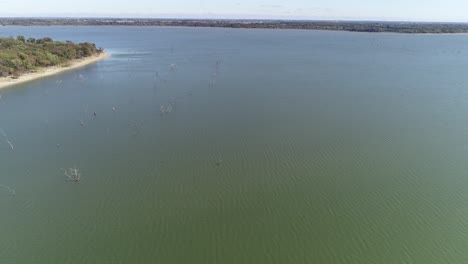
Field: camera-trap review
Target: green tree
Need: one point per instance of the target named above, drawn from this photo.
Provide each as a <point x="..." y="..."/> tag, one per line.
<point x="44" y="40"/>
<point x="21" y="38"/>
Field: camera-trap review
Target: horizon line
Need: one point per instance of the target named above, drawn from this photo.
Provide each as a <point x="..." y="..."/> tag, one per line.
<point x="235" y="19"/>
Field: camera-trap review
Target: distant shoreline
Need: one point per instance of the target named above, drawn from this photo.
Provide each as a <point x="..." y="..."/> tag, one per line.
<point x="352" y="26"/>
<point x="49" y="71"/>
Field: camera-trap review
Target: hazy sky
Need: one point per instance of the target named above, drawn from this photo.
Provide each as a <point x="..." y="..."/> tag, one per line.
<point x="416" y="10"/>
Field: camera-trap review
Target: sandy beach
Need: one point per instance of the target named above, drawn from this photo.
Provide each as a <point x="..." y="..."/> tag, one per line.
<point x="8" y="81"/>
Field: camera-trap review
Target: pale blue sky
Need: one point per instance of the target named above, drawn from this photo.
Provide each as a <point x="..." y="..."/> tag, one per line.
<point x="414" y="10"/>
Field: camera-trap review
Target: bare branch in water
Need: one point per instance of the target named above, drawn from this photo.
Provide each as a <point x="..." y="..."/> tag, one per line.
<point x="73" y="174"/>
<point x="11" y="145"/>
<point x="6" y="139"/>
<point x="9" y="189"/>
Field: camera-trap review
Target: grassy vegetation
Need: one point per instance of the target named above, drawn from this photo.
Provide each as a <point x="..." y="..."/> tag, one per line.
<point x="21" y="55"/>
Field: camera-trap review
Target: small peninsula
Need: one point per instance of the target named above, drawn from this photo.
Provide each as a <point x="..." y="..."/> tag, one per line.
<point x="23" y="60"/>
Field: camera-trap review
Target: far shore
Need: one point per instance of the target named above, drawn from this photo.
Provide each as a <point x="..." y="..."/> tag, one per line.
<point x="44" y="72"/>
<point x="405" y="27"/>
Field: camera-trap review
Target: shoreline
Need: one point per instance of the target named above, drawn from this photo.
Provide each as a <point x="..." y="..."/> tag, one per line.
<point x="6" y="82"/>
<point x="255" y="28"/>
<point x="369" y="26"/>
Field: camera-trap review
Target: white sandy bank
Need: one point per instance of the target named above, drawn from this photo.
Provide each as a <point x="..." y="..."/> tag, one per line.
<point x="9" y="81"/>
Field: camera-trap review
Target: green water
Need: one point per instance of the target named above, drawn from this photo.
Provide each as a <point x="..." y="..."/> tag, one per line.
<point x="281" y="147"/>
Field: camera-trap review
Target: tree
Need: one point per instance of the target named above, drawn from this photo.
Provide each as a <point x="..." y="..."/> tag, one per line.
<point x="44" y="40"/>
<point x="21" y="38"/>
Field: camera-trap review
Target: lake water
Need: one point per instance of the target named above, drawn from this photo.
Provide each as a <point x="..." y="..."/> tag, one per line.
<point x="281" y="147"/>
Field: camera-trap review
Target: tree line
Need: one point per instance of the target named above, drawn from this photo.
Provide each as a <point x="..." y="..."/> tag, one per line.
<point x="360" y="26"/>
<point x="21" y="55"/>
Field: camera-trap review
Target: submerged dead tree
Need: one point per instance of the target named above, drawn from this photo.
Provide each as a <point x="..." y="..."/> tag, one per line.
<point x="5" y="138"/>
<point x="73" y="174"/>
<point x="9" y="189"/>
